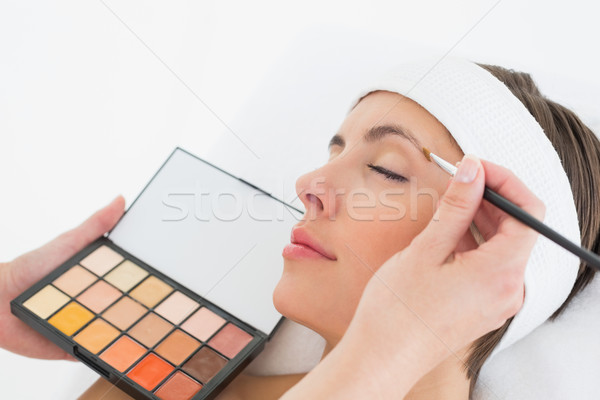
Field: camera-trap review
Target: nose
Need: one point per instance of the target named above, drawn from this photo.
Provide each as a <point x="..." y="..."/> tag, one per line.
<point x="318" y="193"/>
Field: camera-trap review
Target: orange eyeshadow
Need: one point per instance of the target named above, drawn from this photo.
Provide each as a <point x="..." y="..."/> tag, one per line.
<point x="150" y="371"/>
<point x="71" y="318"/>
<point x="123" y="353"/>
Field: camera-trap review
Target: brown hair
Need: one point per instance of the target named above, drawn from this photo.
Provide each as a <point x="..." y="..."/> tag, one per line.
<point x="579" y="151"/>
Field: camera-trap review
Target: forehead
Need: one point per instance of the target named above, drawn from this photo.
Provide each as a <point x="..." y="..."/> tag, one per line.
<point x="383" y="107"/>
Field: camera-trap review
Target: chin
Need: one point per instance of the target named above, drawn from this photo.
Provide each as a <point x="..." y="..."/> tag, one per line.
<point x="305" y="300"/>
<point x="288" y="298"/>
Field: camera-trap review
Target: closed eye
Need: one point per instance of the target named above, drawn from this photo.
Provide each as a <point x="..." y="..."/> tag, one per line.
<point x="387" y="173"/>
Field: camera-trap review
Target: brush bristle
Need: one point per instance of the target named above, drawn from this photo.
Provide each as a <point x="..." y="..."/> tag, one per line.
<point x="426" y="153"/>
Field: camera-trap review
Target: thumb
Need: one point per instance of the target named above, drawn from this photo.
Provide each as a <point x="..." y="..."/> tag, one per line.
<point x="30" y="267"/>
<point x="455" y="213"/>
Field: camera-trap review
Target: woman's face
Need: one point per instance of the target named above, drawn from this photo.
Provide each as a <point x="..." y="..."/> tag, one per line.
<point x="376" y="192"/>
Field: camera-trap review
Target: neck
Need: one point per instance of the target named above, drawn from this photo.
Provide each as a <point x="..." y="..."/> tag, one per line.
<point x="446" y="381"/>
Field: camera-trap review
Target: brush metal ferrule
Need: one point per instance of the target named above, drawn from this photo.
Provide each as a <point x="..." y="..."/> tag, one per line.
<point x="445" y="165"/>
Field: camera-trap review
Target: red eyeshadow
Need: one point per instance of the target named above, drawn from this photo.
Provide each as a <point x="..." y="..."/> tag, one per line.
<point x="150" y="371"/>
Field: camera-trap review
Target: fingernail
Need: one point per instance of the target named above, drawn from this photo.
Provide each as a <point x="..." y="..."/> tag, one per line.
<point x="467" y="170"/>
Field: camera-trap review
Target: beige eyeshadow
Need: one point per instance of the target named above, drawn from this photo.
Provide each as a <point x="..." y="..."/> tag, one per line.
<point x="151" y="291"/>
<point x="124" y="313"/>
<point x="150" y="330"/>
<point x="126" y="275"/>
<point x="176" y="307"/>
<point x="47" y="301"/>
<point x="99" y="296"/>
<point x="203" y="324"/>
<point x="74" y="280"/>
<point x="101" y="260"/>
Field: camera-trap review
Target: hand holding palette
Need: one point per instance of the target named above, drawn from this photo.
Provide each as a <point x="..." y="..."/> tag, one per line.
<point x="176" y="300"/>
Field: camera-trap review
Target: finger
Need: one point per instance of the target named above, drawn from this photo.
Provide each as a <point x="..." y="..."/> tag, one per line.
<point x="467" y="242"/>
<point x="30" y="267"/>
<point x="455" y="212"/>
<point x="508" y="185"/>
<point x="487" y="219"/>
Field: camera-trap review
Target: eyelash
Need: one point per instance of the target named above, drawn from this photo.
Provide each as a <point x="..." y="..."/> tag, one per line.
<point x="387" y="173"/>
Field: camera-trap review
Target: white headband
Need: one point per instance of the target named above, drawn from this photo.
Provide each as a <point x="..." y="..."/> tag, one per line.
<point x="487" y="120"/>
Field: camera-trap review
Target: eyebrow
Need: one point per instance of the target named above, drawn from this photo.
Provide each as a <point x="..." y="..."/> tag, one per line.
<point x="377" y="133"/>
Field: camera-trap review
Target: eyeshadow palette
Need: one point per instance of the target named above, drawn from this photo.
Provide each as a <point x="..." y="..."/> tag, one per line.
<point x="159" y="307"/>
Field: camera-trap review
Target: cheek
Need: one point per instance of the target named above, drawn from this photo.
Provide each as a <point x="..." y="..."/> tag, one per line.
<point x="377" y="241"/>
<point x="391" y="228"/>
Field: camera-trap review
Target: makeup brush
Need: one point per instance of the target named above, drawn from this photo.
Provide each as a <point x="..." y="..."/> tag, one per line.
<point x="517" y="212"/>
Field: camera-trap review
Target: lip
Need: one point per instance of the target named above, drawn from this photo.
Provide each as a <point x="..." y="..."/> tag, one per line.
<point x="303" y="245"/>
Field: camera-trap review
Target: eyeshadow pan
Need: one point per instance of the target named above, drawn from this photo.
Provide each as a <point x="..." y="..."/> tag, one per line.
<point x="123" y="353"/>
<point x="101" y="260"/>
<point x="177" y="347"/>
<point x="45" y="302"/>
<point x="151" y="291"/>
<point x="203" y="324"/>
<point x="71" y="318"/>
<point x="230" y="340"/>
<point x="150" y="330"/>
<point x="124" y="313"/>
<point x="176" y="307"/>
<point x="126" y="275"/>
<point x="99" y="296"/>
<point x="178" y="387"/>
<point x="96" y="336"/>
<point x="150" y="371"/>
<point x="74" y="280"/>
<point x="204" y="365"/>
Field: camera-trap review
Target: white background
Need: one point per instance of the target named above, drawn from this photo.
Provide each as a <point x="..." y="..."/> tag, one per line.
<point x="94" y="95"/>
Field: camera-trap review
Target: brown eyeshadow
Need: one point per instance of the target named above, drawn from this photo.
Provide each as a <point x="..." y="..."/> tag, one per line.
<point x="178" y="387"/>
<point x="204" y="365"/>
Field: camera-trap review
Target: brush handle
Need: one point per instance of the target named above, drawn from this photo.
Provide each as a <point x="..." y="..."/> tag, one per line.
<point x="517" y="212"/>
